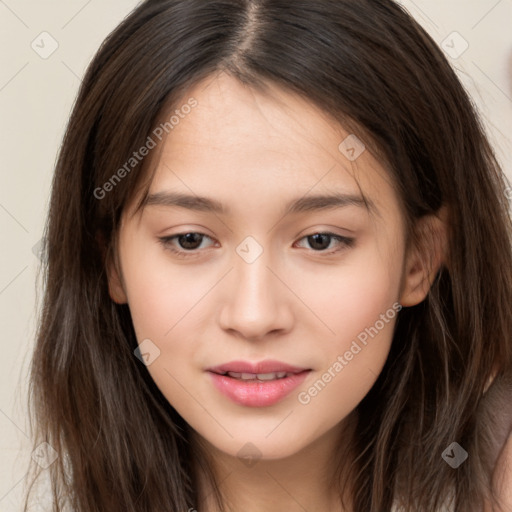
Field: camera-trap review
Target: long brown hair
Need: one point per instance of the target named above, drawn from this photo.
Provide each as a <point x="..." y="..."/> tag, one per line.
<point x="121" y="445"/>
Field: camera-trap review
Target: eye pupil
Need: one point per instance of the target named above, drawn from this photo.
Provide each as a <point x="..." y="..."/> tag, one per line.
<point x="190" y="240"/>
<point x="317" y="241"/>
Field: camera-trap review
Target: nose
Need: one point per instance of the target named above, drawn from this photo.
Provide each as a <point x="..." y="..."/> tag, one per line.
<point x="257" y="303"/>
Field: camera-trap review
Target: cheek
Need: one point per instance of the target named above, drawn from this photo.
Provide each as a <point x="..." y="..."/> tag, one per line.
<point x="160" y="294"/>
<point x="161" y="306"/>
<point x="360" y="310"/>
<point x="164" y="301"/>
<point x="351" y="296"/>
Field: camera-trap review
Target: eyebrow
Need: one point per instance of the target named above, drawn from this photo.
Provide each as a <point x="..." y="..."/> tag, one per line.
<point x="300" y="205"/>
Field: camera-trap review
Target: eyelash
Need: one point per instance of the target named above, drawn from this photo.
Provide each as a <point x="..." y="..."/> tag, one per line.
<point x="166" y="241"/>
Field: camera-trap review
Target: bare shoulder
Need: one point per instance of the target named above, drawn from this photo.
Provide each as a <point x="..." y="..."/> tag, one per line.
<point x="504" y="475"/>
<point x="502" y="479"/>
<point x="496" y="425"/>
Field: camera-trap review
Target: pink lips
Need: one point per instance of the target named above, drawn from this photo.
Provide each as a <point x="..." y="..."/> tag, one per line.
<point x="256" y="392"/>
<point x="267" y="366"/>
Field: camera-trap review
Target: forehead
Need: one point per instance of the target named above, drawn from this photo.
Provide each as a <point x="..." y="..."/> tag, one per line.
<point x="234" y="120"/>
<point x="238" y="139"/>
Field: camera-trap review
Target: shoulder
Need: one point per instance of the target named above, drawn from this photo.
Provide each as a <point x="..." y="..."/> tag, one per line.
<point x="495" y="436"/>
<point x="503" y="475"/>
<point x="499" y="407"/>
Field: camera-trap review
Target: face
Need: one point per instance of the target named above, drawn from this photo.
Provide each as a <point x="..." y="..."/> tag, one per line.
<point x="281" y="276"/>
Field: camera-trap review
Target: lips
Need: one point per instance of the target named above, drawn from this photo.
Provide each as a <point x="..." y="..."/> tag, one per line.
<point x="257" y="384"/>
<point x="261" y="368"/>
<point x="258" y="376"/>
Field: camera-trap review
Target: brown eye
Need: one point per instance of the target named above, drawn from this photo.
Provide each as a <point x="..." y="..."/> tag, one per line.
<point x="184" y="244"/>
<point x="321" y="242"/>
<point x="190" y="241"/>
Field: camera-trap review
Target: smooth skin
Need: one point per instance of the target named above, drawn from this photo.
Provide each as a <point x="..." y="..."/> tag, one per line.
<point x="299" y="302"/>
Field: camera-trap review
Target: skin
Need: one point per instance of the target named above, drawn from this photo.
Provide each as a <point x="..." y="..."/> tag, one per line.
<point x="254" y="153"/>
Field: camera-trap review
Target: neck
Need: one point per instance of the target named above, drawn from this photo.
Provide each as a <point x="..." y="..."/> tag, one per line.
<point x="311" y="479"/>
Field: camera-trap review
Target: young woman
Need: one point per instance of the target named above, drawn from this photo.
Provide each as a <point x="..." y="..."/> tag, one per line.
<point x="278" y="270"/>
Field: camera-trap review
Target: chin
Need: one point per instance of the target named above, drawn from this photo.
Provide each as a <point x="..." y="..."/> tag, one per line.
<point x="252" y="444"/>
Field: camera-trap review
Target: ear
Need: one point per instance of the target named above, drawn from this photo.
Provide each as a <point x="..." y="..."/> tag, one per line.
<point x="426" y="254"/>
<point x="115" y="282"/>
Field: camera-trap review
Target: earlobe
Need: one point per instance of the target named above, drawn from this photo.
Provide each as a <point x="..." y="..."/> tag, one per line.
<point x="416" y="286"/>
<point x="425" y="257"/>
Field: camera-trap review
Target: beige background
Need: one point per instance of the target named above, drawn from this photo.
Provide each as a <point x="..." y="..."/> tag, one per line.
<point x="36" y="95"/>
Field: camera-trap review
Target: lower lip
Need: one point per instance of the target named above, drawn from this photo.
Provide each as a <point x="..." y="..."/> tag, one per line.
<point x="259" y="393"/>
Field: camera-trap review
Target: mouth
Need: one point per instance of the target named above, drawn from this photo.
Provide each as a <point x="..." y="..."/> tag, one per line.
<point x="265" y="370"/>
<point x="261" y="377"/>
<point x="257" y="384"/>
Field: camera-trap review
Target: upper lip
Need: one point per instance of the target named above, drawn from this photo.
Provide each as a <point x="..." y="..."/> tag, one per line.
<point x="267" y="366"/>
